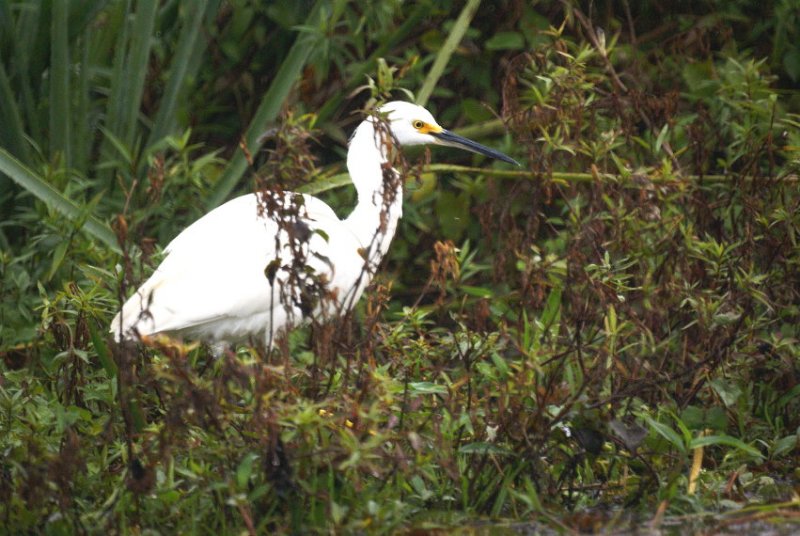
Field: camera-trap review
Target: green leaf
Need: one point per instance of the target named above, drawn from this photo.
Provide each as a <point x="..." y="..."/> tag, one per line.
<point x="427" y="388"/>
<point x="552" y="309"/>
<point x="666" y="432"/>
<point x="785" y="445"/>
<point x="727" y="391"/>
<point x="791" y="62"/>
<point x="696" y="418"/>
<point x="54" y="199"/>
<point x="245" y="469"/>
<point x="791" y="395"/>
<point x="137" y="415"/>
<point x="528" y="494"/>
<point x="482" y="447"/>
<point x="500" y="364"/>
<point x="118" y="145"/>
<point x="700" y="78"/>
<point x="67" y="416"/>
<point x="705" y="441"/>
<point x="661" y="137"/>
<point x="505" y="41"/>
<point x="325" y="183"/>
<point x="101" y="348"/>
<point x="58" y="257"/>
<point x="479" y="292"/>
<point x="338" y="512"/>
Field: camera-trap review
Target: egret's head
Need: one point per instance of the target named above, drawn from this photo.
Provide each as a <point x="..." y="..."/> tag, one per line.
<point x="412" y="124"/>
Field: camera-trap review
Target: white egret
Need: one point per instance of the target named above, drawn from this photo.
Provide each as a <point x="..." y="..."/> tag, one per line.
<point x="261" y="263"/>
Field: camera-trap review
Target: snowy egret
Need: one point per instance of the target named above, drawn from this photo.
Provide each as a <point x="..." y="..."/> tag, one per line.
<point x="261" y="263"/>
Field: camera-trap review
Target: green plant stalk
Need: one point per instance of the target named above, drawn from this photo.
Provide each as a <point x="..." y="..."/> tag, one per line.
<point x="269" y="108"/>
<point x="338" y="180"/>
<point x="54" y="199"/>
<point x="567" y="176"/>
<point x="449" y="46"/>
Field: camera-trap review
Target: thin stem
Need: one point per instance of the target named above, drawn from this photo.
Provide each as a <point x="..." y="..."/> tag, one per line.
<point x="332" y="182"/>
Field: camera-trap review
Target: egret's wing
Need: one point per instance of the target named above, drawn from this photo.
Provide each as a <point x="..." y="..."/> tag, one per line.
<point x="215" y="270"/>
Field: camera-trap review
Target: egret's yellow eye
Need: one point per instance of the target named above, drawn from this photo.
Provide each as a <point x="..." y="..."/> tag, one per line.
<point x="418" y="124"/>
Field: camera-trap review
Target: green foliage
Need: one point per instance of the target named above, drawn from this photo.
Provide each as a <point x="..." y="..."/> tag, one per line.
<point x="613" y="326"/>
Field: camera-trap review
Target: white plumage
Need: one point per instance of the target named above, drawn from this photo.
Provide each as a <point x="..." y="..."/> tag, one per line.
<point x="261" y="263"/>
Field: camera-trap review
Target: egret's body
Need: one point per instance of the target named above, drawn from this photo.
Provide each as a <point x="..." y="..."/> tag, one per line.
<point x="261" y="263"/>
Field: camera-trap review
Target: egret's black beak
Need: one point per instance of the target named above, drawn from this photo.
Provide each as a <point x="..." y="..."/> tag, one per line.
<point x="445" y="137"/>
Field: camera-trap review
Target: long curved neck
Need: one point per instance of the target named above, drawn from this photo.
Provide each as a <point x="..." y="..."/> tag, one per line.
<point x="380" y="191"/>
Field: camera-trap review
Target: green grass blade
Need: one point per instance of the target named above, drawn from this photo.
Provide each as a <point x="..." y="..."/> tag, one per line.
<point x="449" y="46"/>
<point x="5" y="21"/>
<point x="81" y="14"/>
<point x="116" y="101"/>
<point x="27" y="28"/>
<point x="179" y="71"/>
<point x="33" y="35"/>
<point x="666" y="432"/>
<point x="326" y="183"/>
<point x="132" y="51"/>
<point x="59" y="84"/>
<point x="54" y="199"/>
<point x="136" y="72"/>
<point x="81" y="133"/>
<point x="270" y="106"/>
<point x="80" y="33"/>
<point x="12" y="133"/>
<point x="198" y="57"/>
<point x="102" y="350"/>
<point x="727" y="440"/>
<point x="6" y="31"/>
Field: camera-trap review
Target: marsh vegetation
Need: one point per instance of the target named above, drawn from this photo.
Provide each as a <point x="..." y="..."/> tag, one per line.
<point x="613" y="327"/>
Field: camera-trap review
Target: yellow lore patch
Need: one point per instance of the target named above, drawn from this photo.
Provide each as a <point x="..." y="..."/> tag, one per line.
<point x="424" y="128"/>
